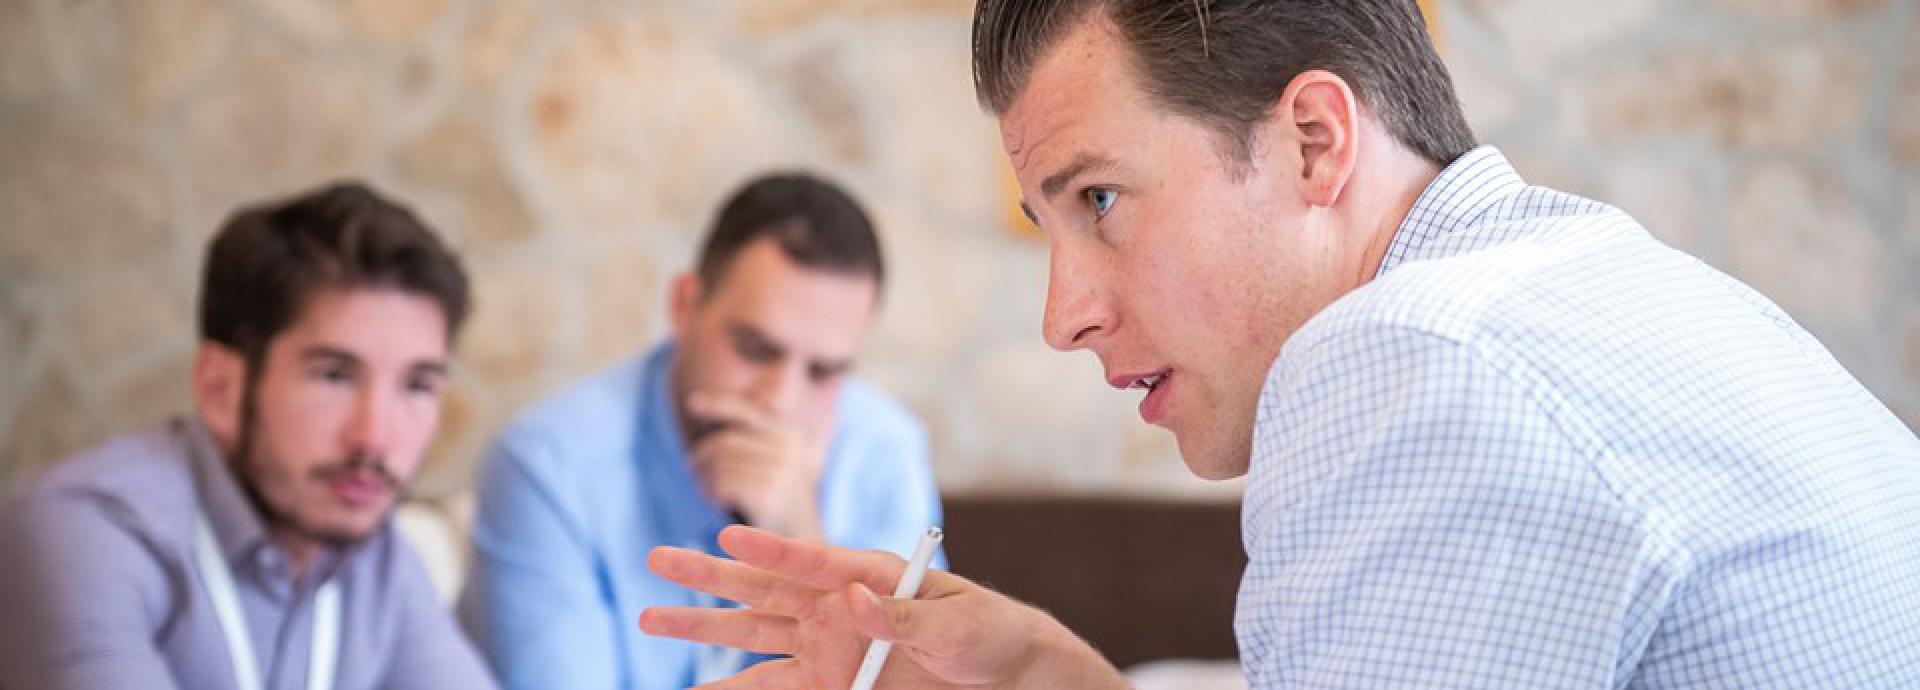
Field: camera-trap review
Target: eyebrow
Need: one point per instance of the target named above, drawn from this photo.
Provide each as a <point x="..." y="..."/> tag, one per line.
<point x="1057" y="182"/>
<point x="746" y="332"/>
<point x="313" y="352"/>
<point x="344" y="356"/>
<point x="430" y="366"/>
<point x="1082" y="164"/>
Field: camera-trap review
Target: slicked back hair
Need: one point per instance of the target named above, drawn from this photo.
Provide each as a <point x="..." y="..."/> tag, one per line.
<point x="1225" y="62"/>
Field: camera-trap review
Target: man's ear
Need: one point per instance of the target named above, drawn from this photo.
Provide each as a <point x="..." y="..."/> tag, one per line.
<point x="219" y="390"/>
<point x="683" y="297"/>
<point x="1317" y="119"/>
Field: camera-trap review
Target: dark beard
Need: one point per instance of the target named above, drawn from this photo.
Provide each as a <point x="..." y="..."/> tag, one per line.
<point x="277" y="519"/>
<point x="247" y="471"/>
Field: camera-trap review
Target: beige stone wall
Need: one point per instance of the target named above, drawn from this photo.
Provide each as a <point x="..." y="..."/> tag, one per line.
<point x="573" y="150"/>
<point x="1779" y="140"/>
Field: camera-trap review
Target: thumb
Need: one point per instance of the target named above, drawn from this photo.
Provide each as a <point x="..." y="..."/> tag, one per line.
<point x="890" y="618"/>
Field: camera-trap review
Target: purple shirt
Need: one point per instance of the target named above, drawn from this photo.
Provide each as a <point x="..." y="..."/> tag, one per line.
<point x="99" y="588"/>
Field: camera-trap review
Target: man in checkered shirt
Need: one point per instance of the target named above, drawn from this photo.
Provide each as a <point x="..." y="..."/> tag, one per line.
<point x="1496" y="436"/>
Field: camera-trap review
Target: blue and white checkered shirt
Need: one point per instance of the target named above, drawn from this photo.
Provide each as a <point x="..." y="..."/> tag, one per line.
<point x="1542" y="450"/>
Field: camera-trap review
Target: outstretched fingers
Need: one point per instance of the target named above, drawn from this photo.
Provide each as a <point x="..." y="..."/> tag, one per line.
<point x="819" y="566"/>
<point x="780" y="674"/>
<point x="750" y="586"/>
<point x="739" y="628"/>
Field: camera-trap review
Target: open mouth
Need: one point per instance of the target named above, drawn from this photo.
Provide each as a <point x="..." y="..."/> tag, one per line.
<point x="1148" y="382"/>
<point x="1153" y="407"/>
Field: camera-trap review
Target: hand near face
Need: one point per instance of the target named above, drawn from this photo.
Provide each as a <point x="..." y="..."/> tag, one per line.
<point x="816" y="603"/>
<point x="766" y="468"/>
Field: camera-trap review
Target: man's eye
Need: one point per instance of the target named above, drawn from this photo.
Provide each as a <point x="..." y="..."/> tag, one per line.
<point x="333" y="374"/>
<point x="819" y="374"/>
<point x="423" y="384"/>
<point x="1101" y="199"/>
<point x="758" y="354"/>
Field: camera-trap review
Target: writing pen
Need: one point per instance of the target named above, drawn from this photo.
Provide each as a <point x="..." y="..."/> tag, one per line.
<point x="908" y="587"/>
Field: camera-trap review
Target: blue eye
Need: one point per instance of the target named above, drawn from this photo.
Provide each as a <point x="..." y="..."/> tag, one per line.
<point x="1102" y="200"/>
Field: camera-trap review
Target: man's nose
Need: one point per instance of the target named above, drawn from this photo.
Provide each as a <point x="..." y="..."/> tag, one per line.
<point x="370" y="425"/>
<point x="1076" y="313"/>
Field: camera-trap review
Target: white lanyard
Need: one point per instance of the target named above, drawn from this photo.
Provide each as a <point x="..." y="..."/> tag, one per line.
<point x="233" y="623"/>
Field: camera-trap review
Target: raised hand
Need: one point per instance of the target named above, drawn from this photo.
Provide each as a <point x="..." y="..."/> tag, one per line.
<point x="816" y="603"/>
<point x="767" y="469"/>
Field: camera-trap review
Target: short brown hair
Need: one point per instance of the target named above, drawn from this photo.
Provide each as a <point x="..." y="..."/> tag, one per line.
<point x="1225" y="62"/>
<point x="267" y="260"/>
<point x="815" y="222"/>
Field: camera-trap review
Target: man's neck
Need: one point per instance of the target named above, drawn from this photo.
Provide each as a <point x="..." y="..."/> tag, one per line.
<point x="303" y="552"/>
<point x="1402" y="178"/>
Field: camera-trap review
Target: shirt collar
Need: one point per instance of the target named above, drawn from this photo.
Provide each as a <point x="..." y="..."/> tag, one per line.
<point x="673" y="495"/>
<point x="1454" y="201"/>
<point x="661" y="418"/>
<point x="236" y="523"/>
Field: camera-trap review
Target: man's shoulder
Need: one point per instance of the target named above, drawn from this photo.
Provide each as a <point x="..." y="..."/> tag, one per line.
<point x="1541" y="273"/>
<point x="589" y="402"/>
<point x="868" y="413"/>
<point x="142" y="476"/>
<point x="124" y="504"/>
<point x="601" y="409"/>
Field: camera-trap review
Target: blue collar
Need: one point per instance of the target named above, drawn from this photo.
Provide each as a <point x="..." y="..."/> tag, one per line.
<point x="670" y="490"/>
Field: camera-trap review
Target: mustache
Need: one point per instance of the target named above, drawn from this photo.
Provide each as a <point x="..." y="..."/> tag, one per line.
<point x="698" y="428"/>
<point x="359" y="462"/>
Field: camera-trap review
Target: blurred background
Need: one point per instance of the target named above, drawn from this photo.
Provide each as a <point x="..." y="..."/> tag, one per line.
<point x="573" y="152"/>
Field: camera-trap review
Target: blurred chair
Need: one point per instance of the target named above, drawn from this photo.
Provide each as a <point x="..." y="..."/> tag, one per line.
<point x="1140" y="579"/>
<point x="437" y="529"/>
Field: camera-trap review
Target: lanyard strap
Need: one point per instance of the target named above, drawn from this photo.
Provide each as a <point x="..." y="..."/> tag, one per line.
<point x="323" y="657"/>
<point x="325" y="652"/>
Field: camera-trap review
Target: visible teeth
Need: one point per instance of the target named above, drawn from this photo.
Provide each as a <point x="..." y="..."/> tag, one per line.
<point x="1147" y="382"/>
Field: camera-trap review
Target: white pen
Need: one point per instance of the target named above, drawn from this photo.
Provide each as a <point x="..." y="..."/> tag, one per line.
<point x="908" y="587"/>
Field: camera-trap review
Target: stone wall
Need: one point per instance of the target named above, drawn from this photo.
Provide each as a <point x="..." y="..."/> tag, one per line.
<point x="1777" y="140"/>
<point x="573" y="152"/>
